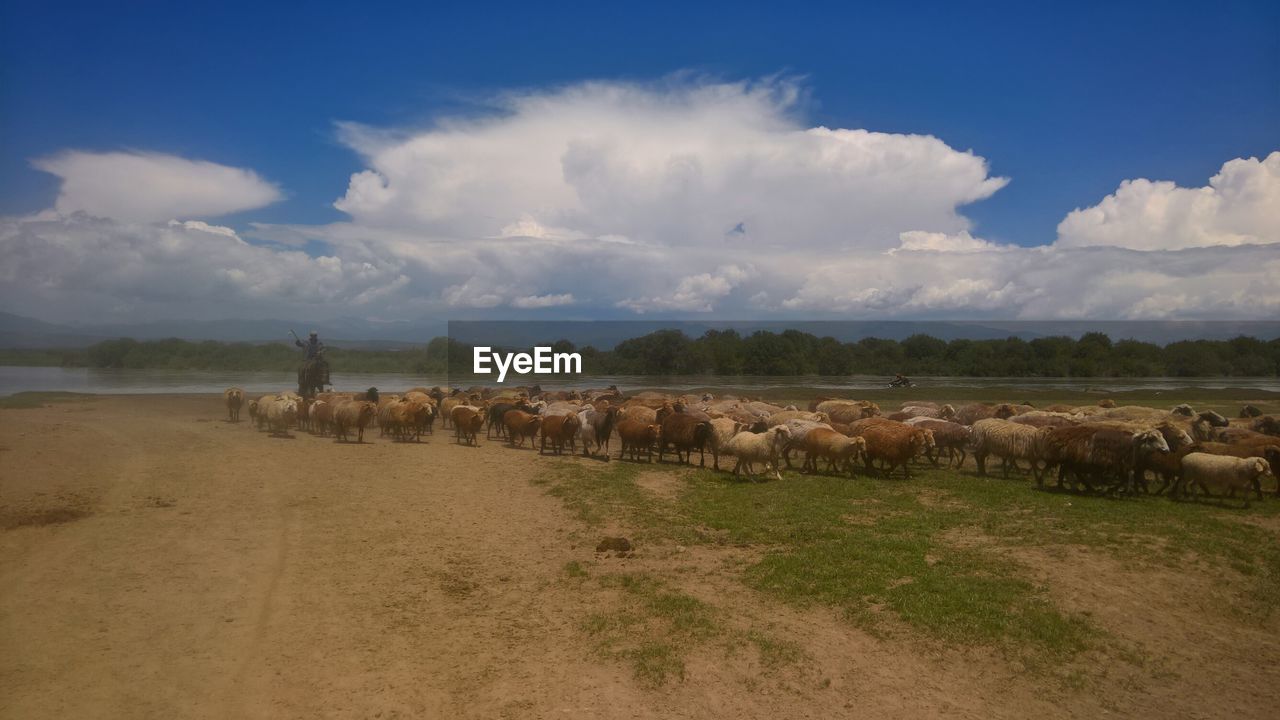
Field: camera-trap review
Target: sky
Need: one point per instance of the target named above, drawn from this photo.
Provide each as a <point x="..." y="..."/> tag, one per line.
<point x="737" y="161"/>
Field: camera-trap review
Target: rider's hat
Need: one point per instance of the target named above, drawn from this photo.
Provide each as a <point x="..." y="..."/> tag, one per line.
<point x="313" y="333"/>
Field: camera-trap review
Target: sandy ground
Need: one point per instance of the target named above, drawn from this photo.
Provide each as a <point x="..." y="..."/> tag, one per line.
<point x="158" y="562"/>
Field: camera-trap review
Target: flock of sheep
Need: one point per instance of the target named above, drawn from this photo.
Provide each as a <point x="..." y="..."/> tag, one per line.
<point x="1102" y="448"/>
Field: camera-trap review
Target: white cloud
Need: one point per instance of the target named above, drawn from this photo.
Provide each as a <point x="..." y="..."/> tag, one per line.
<point x="1240" y="205"/>
<point x="694" y="293"/>
<point x="150" y="187"/>
<point x="614" y="199"/>
<point x="672" y="164"/>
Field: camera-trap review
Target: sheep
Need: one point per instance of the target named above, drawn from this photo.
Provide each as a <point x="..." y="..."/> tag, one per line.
<point x="950" y="436"/>
<point x="560" y="429"/>
<point x="1249" y="411"/>
<point x="848" y="411"/>
<point x="233" y="398"/>
<point x="1206" y="425"/>
<point x="1267" y="451"/>
<point x="496" y="411"/>
<point x="764" y="447"/>
<point x="1095" y="452"/>
<point x="946" y="412"/>
<point x="799" y="430"/>
<point x="1267" y="425"/>
<point x="639" y="413"/>
<point x="973" y="412"/>
<point x="685" y="434"/>
<point x="1203" y="470"/>
<point x="258" y="410"/>
<point x="281" y="413"/>
<point x="321" y="414"/>
<point x="467" y="421"/>
<point x="596" y="428"/>
<point x="1045" y="418"/>
<point x="1010" y="442"/>
<point x="636" y="437"/>
<point x="353" y="414"/>
<point x="784" y="416"/>
<point x="521" y="425"/>
<point x="722" y="430"/>
<point x="837" y="449"/>
<point x="892" y="443"/>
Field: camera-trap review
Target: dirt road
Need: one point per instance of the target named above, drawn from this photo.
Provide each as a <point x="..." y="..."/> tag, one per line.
<point x="158" y="562"/>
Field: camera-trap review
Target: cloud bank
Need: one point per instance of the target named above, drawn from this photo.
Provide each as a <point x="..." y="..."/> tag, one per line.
<point x="617" y="200"/>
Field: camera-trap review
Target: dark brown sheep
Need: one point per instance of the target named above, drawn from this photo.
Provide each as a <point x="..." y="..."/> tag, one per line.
<point x="467" y="421"/>
<point x="685" y="434"/>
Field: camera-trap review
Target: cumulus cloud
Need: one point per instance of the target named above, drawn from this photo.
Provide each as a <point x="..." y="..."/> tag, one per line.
<point x="150" y="187"/>
<point x="617" y="199"/>
<point x="665" y="164"/>
<point x="1239" y="206"/>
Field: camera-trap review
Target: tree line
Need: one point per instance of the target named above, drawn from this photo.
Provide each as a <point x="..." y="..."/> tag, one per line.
<point x="728" y="353"/>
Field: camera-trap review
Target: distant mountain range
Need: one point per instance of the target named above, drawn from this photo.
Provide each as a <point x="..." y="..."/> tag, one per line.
<point x="17" y="331"/>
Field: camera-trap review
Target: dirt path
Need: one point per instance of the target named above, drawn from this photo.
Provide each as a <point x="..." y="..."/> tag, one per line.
<point x="156" y="562"/>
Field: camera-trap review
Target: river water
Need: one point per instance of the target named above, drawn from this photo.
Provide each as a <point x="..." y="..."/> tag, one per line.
<point x="131" y="382"/>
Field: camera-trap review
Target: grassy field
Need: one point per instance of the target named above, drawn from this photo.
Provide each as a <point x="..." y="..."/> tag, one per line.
<point x="940" y="560"/>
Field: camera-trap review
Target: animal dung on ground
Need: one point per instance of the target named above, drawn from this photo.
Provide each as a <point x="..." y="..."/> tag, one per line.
<point x="610" y="544"/>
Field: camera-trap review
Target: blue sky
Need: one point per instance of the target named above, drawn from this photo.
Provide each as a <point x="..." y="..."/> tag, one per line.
<point x="1065" y="99"/>
<point x="1078" y="105"/>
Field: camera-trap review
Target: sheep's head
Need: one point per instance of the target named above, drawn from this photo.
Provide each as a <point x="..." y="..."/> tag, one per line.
<point x="1213" y="418"/>
<point x="1259" y="465"/>
<point x="1184" y="410"/>
<point x="1106" y="403"/>
<point x="946" y="412"/>
<point x="1151" y="440"/>
<point x="822" y="417"/>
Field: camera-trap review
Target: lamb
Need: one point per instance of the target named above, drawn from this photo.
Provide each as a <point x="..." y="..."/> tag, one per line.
<point x="637" y="436"/>
<point x="1222" y="472"/>
<point x="837" y="449"/>
<point x="1010" y="442"/>
<point x="353" y="414"/>
<point x="521" y="425"/>
<point x="467" y="421"/>
<point x="281" y="413"/>
<point x="560" y="429"/>
<point x="763" y="447"/>
<point x="685" y="434"/>
<point x="233" y="398"/>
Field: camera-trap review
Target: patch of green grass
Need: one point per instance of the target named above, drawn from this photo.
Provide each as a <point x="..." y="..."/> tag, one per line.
<point x="31" y="400"/>
<point x="652" y="626"/>
<point x="574" y="569"/>
<point x="894" y="556"/>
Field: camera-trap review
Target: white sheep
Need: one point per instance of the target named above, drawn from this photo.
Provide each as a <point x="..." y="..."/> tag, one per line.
<point x="1222" y="471"/>
<point x="763" y="447"/>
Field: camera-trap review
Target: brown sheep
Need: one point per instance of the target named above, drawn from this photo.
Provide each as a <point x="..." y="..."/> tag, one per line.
<point x="893" y="444"/>
<point x="973" y="412"/>
<point x="521" y="425"/>
<point x="353" y="415"/>
<point x="233" y="398"/>
<point x="561" y="430"/>
<point x="467" y="421"/>
<point x="837" y="449"/>
<point x="1267" y="425"/>
<point x="1092" y="452"/>
<point x="950" y="436"/>
<point x="685" y="434"/>
<point x="637" y="437"/>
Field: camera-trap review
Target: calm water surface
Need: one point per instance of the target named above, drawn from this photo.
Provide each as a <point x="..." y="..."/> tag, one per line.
<point x="129" y="382"/>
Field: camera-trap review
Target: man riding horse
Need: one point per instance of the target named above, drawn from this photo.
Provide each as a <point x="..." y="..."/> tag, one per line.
<point x="313" y="375"/>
